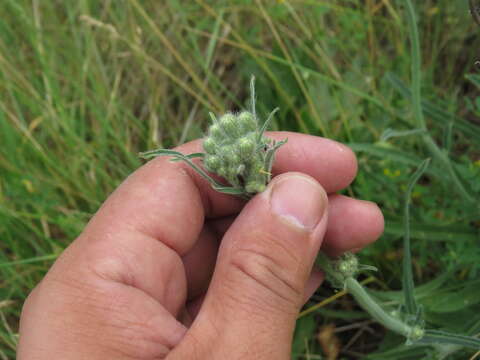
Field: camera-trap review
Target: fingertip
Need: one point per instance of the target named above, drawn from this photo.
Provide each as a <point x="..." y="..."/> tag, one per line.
<point x="374" y="222"/>
<point x="353" y="224"/>
<point x="332" y="164"/>
<point x="346" y="166"/>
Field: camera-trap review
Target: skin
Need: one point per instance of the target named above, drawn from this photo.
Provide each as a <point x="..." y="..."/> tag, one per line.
<point x="169" y="268"/>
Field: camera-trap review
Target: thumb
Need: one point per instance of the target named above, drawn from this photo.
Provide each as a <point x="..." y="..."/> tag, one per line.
<point x="263" y="266"/>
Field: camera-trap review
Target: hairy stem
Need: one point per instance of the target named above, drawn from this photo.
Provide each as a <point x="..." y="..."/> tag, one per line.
<point x="375" y="310"/>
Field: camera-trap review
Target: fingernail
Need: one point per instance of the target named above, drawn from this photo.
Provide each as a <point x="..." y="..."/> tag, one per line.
<point x="299" y="200"/>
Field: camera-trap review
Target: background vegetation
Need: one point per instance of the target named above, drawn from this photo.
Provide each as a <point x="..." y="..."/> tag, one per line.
<point x="85" y="85"/>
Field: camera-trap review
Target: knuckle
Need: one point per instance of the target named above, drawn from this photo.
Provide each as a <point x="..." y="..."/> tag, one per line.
<point x="273" y="267"/>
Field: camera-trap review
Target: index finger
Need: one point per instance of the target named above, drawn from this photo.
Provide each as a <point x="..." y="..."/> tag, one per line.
<point x="169" y="201"/>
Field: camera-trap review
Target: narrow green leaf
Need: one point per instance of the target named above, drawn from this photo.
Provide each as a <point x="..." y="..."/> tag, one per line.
<point x="436" y="113"/>
<point x="304" y="329"/>
<point x="232" y="191"/>
<point x="364" y="267"/>
<point x="416" y="98"/>
<point x="190" y="156"/>
<point x="213" y="40"/>
<point x="385" y="152"/>
<point x="265" y="124"/>
<point x="416" y="65"/>
<point x="270" y="156"/>
<point x="160" y="152"/>
<point x="391" y="133"/>
<point x="417" y="102"/>
<point x="408" y="286"/>
<point x="474" y="79"/>
<point x="433" y="232"/>
<point x="180" y="156"/>
<point x="229" y="190"/>
<point x="422" y="292"/>
<point x="452" y="299"/>
<point x="213" y="117"/>
<point x="441" y="337"/>
<point x="50" y="257"/>
<point x="252" y="97"/>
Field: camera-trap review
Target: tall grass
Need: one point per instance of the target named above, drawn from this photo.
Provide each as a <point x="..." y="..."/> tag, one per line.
<point x="86" y="85"/>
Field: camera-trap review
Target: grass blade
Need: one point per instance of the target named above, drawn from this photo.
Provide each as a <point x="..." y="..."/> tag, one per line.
<point x="50" y="257"/>
<point x="391" y="133"/>
<point x="416" y="65"/>
<point x="432" y="232"/>
<point x="408" y="285"/>
<point x="437" y="113"/>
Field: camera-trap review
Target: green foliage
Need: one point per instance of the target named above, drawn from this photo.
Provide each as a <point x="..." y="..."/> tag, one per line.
<point x="86" y="85"/>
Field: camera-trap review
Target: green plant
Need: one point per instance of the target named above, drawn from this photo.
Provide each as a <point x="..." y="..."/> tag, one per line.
<point x="86" y="86"/>
<point x="237" y="150"/>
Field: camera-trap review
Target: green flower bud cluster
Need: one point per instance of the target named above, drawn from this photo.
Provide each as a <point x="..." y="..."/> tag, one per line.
<point x="417" y="332"/>
<point x="348" y="265"/>
<point x="236" y="149"/>
<point x="340" y="269"/>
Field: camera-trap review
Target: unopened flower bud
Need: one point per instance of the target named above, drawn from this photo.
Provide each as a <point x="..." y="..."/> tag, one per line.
<point x="216" y="132"/>
<point x="348" y="266"/>
<point x="254" y="187"/>
<point x="233" y="158"/>
<point x="209" y="145"/>
<point x="246" y="146"/>
<point x="228" y="122"/>
<point x="236" y="159"/>
<point x="212" y="162"/>
<point x="222" y="171"/>
<point x="416" y="333"/>
<point x="247" y="121"/>
<point x="227" y="151"/>
<point x="257" y="166"/>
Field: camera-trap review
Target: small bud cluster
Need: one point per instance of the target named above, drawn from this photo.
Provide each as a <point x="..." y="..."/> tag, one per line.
<point x="416" y="333"/>
<point x="348" y="265"/>
<point x="337" y="271"/>
<point x="237" y="151"/>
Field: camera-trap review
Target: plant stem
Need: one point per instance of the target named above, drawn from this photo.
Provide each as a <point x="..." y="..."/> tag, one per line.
<point x="436" y="152"/>
<point x="375" y="310"/>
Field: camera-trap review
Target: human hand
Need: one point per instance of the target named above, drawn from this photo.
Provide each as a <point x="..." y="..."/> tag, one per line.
<point x="169" y="268"/>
